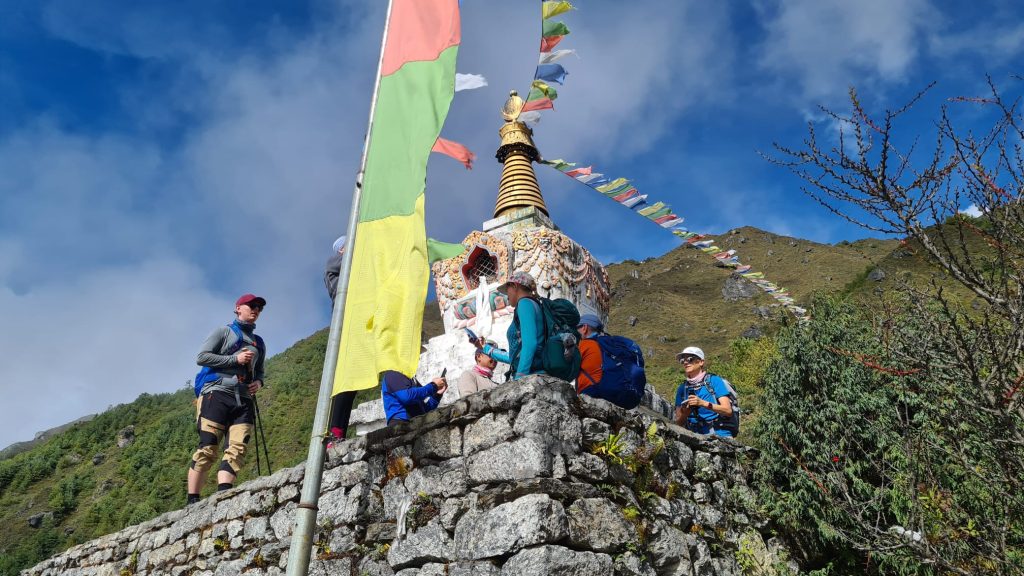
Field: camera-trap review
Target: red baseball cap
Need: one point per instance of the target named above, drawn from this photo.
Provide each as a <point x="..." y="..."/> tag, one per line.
<point x="248" y="298"/>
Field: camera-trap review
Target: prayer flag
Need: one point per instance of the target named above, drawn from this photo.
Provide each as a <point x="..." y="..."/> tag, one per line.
<point x="539" y="90"/>
<point x="627" y="194"/>
<point x="590" y="177"/>
<point x="529" y="117"/>
<point x="455" y="150"/>
<point x="553" y="28"/>
<point x="539" y="104"/>
<point x="631" y="202"/>
<point x="469" y="82"/>
<point x="548" y="43"/>
<point x="580" y="171"/>
<point x="437" y="250"/>
<point x="389" y="275"/>
<point x="652" y="209"/>
<point x="554" y="56"/>
<point x="549" y="9"/>
<point x="612" y="185"/>
<point x="551" y="73"/>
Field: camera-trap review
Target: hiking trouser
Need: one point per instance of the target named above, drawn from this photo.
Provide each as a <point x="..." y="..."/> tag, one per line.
<point x="341" y="410"/>
<point x="218" y="415"/>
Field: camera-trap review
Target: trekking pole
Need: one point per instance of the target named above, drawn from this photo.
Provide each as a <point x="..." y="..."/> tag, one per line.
<point x="259" y="425"/>
<point x="256" y="442"/>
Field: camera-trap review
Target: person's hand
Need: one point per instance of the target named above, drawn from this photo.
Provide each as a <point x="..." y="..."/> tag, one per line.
<point x="442" y="384"/>
<point x="478" y="342"/>
<point x="255" y="385"/>
<point x="244" y="357"/>
<point x="696" y="402"/>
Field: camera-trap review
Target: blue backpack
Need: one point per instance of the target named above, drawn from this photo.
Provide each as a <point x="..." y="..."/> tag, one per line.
<point x="208" y="374"/>
<point x="623" y="379"/>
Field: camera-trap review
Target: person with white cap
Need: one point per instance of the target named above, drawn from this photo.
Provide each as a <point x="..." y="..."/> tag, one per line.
<point x="341" y="404"/>
<point x="704" y="401"/>
<point x="525" y="331"/>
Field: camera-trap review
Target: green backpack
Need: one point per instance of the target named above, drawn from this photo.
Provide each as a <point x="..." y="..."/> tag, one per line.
<point x="559" y="347"/>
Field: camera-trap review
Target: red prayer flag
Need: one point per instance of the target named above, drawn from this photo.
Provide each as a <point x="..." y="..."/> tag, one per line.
<point x="455" y="150"/>
<point x="580" y="171"/>
<point x="546" y="44"/>
<point x="539" y="104"/>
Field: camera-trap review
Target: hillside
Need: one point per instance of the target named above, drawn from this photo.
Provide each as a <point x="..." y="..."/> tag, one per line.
<point x="79" y="484"/>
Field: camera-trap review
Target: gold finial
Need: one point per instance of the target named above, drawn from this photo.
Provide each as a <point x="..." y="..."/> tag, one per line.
<point x="513" y="107"/>
<point x="518" y="187"/>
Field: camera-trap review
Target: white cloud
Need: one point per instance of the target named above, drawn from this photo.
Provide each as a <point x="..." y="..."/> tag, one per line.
<point x="826" y="46"/>
<point x="972" y="211"/>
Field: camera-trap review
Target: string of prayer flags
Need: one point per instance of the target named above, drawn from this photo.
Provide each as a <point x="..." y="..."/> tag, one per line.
<point x="622" y="191"/>
<point x="542" y="96"/>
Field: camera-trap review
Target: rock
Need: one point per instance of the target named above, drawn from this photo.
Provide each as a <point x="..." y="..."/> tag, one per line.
<point x="428" y="544"/>
<point x="738" y="288"/>
<point x="126" y="437"/>
<point x="630" y="564"/>
<point x="446" y="479"/>
<point x="518" y="460"/>
<point x="763" y="312"/>
<point x="635" y="274"/>
<point x="440" y="443"/>
<point x="876" y="275"/>
<point x="668" y="546"/>
<point x="546" y="422"/>
<point x="633" y="320"/>
<point x="380" y="532"/>
<point x="36" y="520"/>
<point x="752" y="333"/>
<point x="597" y="524"/>
<point x="530" y="520"/>
<point x="489" y="430"/>
<point x="98" y="459"/>
<point x="556" y="561"/>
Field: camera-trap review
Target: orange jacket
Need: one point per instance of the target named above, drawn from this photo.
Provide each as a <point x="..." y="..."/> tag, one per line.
<point x="590" y="352"/>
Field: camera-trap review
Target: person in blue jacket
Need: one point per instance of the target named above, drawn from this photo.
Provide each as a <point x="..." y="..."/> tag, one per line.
<point x="697" y="409"/>
<point x="405" y="398"/>
<point x="525" y="332"/>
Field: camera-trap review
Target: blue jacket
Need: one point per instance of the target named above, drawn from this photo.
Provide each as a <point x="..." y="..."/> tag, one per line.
<point x="701" y="419"/>
<point x="405" y="398"/>
<point x="523" y="341"/>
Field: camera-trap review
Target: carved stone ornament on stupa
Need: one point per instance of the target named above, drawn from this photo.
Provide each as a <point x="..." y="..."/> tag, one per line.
<point x="520" y="237"/>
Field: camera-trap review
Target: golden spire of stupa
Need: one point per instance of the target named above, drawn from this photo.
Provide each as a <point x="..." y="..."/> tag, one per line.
<point x="518" y="187"/>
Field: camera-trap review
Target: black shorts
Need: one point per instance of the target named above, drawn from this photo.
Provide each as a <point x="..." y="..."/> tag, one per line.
<point x="220" y="407"/>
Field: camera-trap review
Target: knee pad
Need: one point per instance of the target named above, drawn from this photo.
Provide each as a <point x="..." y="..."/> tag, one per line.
<point x="238" y="438"/>
<point x="203" y="458"/>
<point x="210" y="436"/>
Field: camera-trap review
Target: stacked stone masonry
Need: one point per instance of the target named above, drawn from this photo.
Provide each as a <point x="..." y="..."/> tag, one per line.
<point x="525" y="479"/>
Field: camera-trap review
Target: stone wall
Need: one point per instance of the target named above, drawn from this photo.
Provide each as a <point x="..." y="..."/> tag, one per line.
<point x="526" y="479"/>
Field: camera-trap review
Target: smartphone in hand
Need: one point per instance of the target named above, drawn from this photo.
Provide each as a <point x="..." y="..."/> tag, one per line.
<point x="471" y="334"/>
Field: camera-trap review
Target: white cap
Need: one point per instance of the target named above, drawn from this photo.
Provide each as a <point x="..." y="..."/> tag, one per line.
<point x="690" y="351"/>
<point x="339" y="243"/>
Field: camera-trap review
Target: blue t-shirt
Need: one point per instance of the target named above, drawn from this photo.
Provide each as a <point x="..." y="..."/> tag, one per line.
<point x="701" y="418"/>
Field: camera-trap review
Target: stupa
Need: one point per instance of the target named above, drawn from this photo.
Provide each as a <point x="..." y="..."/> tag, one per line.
<point x="520" y="237"/>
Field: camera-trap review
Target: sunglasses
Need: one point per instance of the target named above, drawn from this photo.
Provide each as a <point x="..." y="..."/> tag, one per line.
<point x="690" y="359"/>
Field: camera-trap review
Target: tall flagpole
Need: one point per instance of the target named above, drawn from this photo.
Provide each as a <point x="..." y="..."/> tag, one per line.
<point x="305" y="514"/>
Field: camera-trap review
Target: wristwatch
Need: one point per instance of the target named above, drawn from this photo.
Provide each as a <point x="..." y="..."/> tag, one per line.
<point x="710" y="406"/>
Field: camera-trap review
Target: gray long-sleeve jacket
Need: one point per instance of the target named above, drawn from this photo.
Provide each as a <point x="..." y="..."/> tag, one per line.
<point x="333" y="270"/>
<point x="214" y="354"/>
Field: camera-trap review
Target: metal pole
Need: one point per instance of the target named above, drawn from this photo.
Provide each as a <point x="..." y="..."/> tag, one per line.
<point x="305" y="514"/>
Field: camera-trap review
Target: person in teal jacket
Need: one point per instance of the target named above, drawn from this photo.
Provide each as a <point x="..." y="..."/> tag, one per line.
<point x="525" y="332"/>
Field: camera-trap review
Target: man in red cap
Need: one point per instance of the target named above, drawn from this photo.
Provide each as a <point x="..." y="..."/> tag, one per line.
<point x="233" y="358"/>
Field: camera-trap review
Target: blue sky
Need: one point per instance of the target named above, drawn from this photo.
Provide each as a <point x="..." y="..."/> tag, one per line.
<point x="158" y="159"/>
